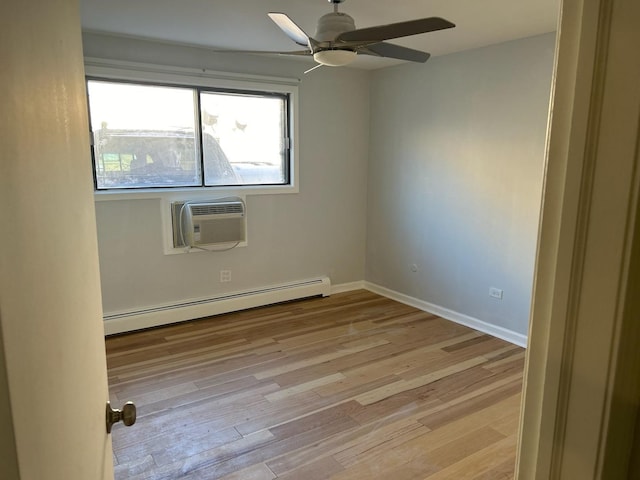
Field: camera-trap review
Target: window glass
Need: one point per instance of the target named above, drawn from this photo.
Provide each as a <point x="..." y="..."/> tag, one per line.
<point x="144" y="135"/>
<point x="244" y="131"/>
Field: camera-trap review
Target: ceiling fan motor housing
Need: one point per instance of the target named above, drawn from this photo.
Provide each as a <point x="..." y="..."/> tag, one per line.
<point x="333" y="24"/>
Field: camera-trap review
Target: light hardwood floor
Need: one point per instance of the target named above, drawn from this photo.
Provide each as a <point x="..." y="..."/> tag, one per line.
<point x="353" y="386"/>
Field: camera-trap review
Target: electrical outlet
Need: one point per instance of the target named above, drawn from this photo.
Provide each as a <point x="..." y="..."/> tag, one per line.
<point x="495" y="293"/>
<point x="225" y="276"/>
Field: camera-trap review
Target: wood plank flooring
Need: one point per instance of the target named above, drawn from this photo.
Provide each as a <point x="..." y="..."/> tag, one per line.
<point x="353" y="386"/>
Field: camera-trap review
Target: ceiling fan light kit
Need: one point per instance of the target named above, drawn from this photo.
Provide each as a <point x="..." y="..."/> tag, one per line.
<point x="335" y="58"/>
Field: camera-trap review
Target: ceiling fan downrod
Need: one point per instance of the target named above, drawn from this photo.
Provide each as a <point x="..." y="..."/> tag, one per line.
<point x="335" y="4"/>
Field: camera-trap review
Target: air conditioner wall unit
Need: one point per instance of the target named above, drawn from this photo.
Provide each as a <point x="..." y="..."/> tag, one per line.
<point x="209" y="223"/>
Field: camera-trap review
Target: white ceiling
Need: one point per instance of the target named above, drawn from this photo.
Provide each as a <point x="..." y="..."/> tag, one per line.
<point x="243" y="24"/>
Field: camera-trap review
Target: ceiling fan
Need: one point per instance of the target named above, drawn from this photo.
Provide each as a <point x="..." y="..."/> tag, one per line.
<point x="337" y="42"/>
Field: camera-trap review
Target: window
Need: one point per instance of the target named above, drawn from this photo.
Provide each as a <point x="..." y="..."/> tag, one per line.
<point x="150" y="135"/>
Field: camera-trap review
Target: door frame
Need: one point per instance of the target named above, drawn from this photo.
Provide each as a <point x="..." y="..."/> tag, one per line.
<point x="579" y="364"/>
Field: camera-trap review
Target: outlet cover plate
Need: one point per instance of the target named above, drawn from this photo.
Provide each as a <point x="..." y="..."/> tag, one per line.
<point x="495" y="293"/>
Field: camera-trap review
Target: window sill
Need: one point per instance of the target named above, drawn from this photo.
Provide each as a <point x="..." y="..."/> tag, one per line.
<point x="192" y="193"/>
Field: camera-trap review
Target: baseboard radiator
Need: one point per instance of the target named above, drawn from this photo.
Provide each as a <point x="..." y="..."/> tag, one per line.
<point x="120" y="322"/>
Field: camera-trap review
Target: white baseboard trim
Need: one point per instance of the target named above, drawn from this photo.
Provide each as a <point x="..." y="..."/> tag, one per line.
<point x="154" y="316"/>
<point x="127" y="321"/>
<point x="348" y="287"/>
<point x="480" y="325"/>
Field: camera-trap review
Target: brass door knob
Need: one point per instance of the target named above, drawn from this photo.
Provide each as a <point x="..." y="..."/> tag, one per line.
<point x="127" y="415"/>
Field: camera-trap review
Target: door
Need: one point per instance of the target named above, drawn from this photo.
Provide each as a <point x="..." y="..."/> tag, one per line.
<point x="53" y="383"/>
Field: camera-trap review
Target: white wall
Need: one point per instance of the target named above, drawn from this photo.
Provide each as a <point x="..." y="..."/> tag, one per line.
<point x="319" y="231"/>
<point x="455" y="178"/>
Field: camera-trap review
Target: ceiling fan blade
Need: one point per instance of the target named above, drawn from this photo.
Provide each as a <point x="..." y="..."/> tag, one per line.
<point x="266" y="52"/>
<point x="296" y="52"/>
<point x="291" y="30"/>
<point x="395" y="30"/>
<point x="389" y="50"/>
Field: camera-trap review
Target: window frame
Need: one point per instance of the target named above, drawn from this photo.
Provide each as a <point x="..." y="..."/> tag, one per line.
<point x="138" y="73"/>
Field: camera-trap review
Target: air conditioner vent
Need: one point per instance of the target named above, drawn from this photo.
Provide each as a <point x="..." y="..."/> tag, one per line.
<point x="217" y="209"/>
